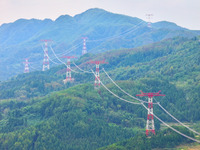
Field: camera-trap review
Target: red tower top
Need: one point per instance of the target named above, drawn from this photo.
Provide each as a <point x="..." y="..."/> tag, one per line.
<point x="97" y="62"/>
<point x="68" y="57"/>
<point x="46" y="40"/>
<point x="84" y="37"/>
<point x="26" y="61"/>
<point x="150" y="94"/>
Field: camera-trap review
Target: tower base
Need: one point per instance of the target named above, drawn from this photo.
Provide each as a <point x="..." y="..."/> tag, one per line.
<point x="68" y="80"/>
<point x="152" y="132"/>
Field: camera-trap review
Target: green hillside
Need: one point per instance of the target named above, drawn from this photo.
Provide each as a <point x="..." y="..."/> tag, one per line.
<point x="163" y="139"/>
<point x="38" y="111"/>
<point x="77" y="115"/>
<point x="60" y="121"/>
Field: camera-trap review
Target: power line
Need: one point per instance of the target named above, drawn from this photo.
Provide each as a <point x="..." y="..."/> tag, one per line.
<point x="121" y="34"/>
<point x="61" y="60"/>
<point x="49" y="57"/>
<point x="123" y="90"/>
<point x="177" y="119"/>
<point x="193" y="139"/>
<point x="154" y="115"/>
<point x="113" y="37"/>
<point x="80" y="68"/>
<point x="155" y="103"/>
<point x="114" y="93"/>
<point x="69" y="50"/>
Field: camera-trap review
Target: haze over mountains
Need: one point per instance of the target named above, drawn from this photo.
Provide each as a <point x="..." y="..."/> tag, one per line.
<point x="39" y="111"/>
<point x="105" y="31"/>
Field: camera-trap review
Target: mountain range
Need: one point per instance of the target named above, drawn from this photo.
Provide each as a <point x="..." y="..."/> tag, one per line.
<point x="105" y="31"/>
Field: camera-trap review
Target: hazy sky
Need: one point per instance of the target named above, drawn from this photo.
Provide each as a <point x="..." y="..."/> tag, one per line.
<point x="185" y="13"/>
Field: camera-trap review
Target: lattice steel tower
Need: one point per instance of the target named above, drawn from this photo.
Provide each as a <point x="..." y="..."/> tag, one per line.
<point x="149" y="16"/>
<point x="46" y="56"/>
<point x="84" y="51"/>
<point x="26" y="68"/>
<point x="97" y="82"/>
<point x="150" y="118"/>
<point x="68" y="72"/>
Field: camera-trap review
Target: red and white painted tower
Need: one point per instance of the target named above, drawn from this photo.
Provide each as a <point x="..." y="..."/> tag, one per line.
<point x="97" y="82"/>
<point x="26" y="68"/>
<point x="150" y="118"/>
<point x="46" y="56"/>
<point x="149" y="16"/>
<point x="68" y="72"/>
<point x="84" y="51"/>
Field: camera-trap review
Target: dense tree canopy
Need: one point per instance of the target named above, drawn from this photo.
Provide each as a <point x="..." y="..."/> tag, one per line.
<point x="38" y="111"/>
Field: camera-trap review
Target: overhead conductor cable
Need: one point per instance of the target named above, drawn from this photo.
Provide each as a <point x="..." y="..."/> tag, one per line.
<point x="193" y="139"/>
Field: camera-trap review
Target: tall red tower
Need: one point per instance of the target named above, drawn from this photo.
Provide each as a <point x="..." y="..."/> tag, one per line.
<point x="97" y="82"/>
<point x="46" y="56"/>
<point x="150" y="119"/>
<point x="68" y="72"/>
<point x="84" y="51"/>
<point x="26" y="68"/>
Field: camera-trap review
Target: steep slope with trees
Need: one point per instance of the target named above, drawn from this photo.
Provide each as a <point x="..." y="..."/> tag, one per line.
<point x="77" y="115"/>
<point x="35" y="116"/>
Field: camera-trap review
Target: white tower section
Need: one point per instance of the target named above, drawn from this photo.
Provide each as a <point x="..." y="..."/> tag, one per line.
<point x="84" y="51"/>
<point x="150" y="120"/>
<point x="26" y="68"/>
<point x="149" y="16"/>
<point x="46" y="57"/>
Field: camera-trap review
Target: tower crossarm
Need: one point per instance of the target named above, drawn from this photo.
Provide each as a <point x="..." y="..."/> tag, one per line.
<point x="97" y="62"/>
<point x="150" y="94"/>
<point x="68" y="57"/>
<point x="46" y="40"/>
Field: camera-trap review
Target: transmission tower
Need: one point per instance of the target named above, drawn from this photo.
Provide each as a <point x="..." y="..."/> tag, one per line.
<point x="68" y="72"/>
<point x="149" y="16"/>
<point x="46" y="56"/>
<point x="84" y="51"/>
<point x="150" y="119"/>
<point x="97" y="82"/>
<point x="26" y="68"/>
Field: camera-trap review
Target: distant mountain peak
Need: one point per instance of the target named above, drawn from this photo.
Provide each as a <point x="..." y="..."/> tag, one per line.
<point x="95" y="15"/>
<point x="166" y="24"/>
<point x="92" y="11"/>
<point x="96" y="10"/>
<point x="65" y="18"/>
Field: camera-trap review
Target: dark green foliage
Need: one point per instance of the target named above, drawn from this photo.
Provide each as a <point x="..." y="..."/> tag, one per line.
<point x="64" y="119"/>
<point x="77" y="115"/>
<point x="41" y="118"/>
<point x="162" y="139"/>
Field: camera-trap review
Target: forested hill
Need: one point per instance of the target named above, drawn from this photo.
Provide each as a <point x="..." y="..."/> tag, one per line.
<point x="175" y="60"/>
<point x="80" y="117"/>
<point x="34" y="116"/>
<point x="162" y="140"/>
<point x="105" y="31"/>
